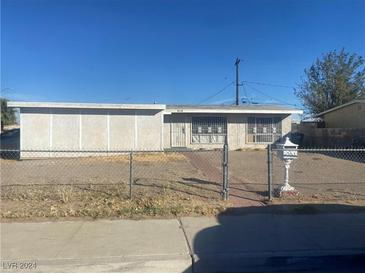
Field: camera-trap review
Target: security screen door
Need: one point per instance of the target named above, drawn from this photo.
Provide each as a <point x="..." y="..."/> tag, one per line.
<point x="178" y="134"/>
<point x="264" y="130"/>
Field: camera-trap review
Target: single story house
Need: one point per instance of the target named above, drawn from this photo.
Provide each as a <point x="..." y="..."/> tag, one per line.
<point x="150" y="127"/>
<point x="348" y="115"/>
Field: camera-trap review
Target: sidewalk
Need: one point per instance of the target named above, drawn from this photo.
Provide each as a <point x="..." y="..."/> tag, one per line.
<point x="97" y="246"/>
<point x="257" y="239"/>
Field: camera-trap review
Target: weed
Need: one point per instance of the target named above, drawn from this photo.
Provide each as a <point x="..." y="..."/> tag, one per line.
<point x="103" y="201"/>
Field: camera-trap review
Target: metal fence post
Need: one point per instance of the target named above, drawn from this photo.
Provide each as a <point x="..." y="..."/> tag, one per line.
<point x="225" y="191"/>
<point x="130" y="174"/>
<point x="269" y="170"/>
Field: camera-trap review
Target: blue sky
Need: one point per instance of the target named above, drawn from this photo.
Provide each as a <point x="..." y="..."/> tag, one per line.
<point x="168" y="51"/>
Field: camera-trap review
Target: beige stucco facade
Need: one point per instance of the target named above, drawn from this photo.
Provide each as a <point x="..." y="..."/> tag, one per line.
<point x="236" y="129"/>
<point x="90" y="129"/>
<point x="93" y="128"/>
<point x="349" y="116"/>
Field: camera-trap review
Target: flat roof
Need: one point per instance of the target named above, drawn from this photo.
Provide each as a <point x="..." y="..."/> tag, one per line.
<point x="16" y="104"/>
<point x="246" y="108"/>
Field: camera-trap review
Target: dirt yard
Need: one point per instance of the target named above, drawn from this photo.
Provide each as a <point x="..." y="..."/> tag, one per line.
<point x="163" y="184"/>
<point x="169" y="184"/>
<point x="338" y="176"/>
<point x="317" y="177"/>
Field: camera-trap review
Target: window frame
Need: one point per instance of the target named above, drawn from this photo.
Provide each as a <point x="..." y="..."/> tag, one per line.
<point x="209" y="129"/>
<point x="276" y="122"/>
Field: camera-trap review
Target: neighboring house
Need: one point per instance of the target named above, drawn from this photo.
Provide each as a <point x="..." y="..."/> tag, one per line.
<point x="341" y="126"/>
<point x="349" y="115"/>
<point x="150" y="127"/>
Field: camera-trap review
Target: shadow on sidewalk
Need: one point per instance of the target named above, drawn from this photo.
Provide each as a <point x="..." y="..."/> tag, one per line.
<point x="283" y="238"/>
<point x="294" y="209"/>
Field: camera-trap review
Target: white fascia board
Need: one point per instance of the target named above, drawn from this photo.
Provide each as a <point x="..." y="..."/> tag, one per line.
<point x="264" y="111"/>
<point x="15" y="104"/>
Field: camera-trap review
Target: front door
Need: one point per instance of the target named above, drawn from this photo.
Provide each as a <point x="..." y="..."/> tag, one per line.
<point x="178" y="135"/>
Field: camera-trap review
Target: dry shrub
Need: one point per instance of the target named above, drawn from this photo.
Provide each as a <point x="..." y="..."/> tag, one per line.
<point x="101" y="202"/>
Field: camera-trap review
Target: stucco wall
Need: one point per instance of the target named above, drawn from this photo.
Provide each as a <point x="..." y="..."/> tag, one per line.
<point x="167" y="120"/>
<point x="286" y="125"/>
<point x="236" y="129"/>
<point x="35" y="130"/>
<point x="94" y="130"/>
<point x="122" y="131"/>
<point x="107" y="130"/>
<point x="351" y="116"/>
<point x="149" y="130"/>
<point x="62" y="123"/>
<point x="90" y="129"/>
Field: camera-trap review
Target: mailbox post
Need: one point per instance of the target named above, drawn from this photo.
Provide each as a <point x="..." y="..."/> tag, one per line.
<point x="287" y="152"/>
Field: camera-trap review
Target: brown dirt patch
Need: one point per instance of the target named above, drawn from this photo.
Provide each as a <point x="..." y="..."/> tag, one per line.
<point x="164" y="184"/>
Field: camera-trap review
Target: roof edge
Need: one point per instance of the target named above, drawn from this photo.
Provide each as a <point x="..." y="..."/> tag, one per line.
<point x="22" y="104"/>
<point x="263" y="109"/>
<point x="258" y="111"/>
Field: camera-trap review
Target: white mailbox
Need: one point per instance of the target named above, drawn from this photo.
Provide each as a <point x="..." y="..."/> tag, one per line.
<point x="287" y="150"/>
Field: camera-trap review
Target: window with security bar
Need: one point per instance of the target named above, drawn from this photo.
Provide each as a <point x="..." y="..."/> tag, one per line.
<point x="263" y="129"/>
<point x="208" y="130"/>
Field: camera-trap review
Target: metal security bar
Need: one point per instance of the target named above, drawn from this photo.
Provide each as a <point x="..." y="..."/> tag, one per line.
<point x="206" y="130"/>
<point x="263" y="129"/>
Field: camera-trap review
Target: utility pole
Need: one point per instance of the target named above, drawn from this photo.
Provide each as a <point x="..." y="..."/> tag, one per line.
<point x="237" y="81"/>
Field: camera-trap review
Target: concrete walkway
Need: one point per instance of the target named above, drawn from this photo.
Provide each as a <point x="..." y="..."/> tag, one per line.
<point x="99" y="246"/>
<point x="257" y="239"/>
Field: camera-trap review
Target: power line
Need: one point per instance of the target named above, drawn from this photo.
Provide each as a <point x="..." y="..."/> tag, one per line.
<point x="271" y="97"/>
<point x="215" y="94"/>
<point x="268" y="84"/>
<point x="244" y="89"/>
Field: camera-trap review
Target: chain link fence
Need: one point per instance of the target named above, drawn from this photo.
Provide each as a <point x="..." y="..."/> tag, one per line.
<point x="138" y="172"/>
<point x="112" y="178"/>
<point x="178" y="180"/>
<point x="324" y="174"/>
